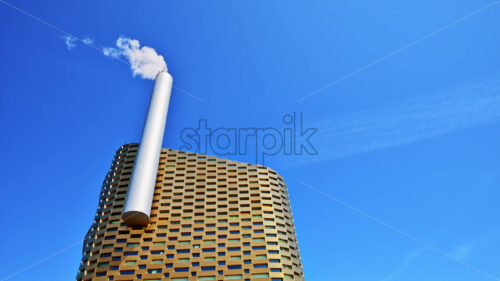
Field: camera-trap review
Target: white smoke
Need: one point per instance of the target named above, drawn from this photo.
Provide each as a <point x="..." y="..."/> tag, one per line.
<point x="88" y="41"/>
<point x="467" y="105"/>
<point x="70" y="42"/>
<point x="144" y="61"/>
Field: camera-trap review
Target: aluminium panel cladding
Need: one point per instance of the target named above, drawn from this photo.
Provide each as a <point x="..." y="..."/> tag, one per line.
<point x="211" y="219"/>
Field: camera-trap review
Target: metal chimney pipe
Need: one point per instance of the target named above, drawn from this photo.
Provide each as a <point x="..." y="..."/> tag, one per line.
<point x="137" y="208"/>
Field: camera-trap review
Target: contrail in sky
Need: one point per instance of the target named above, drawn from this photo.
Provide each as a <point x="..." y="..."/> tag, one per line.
<point x="457" y="108"/>
<point x="405" y="264"/>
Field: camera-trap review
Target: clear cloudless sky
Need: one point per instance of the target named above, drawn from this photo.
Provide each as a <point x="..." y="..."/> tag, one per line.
<point x="64" y="113"/>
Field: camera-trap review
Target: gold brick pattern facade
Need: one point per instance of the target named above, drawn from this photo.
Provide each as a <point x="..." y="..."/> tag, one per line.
<point x="211" y="219"/>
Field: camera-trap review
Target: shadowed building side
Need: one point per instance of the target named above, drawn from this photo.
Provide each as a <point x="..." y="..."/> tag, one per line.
<point x="211" y="219"/>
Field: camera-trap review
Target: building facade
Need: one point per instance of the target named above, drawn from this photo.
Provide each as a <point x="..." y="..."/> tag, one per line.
<point x="211" y="219"/>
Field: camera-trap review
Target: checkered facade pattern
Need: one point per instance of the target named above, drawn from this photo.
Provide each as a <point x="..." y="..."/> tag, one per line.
<point x="211" y="219"/>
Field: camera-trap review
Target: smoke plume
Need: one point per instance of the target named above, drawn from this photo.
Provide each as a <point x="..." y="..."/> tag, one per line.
<point x="144" y="61"/>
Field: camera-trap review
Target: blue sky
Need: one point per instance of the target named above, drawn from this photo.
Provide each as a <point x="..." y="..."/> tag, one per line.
<point x="410" y="141"/>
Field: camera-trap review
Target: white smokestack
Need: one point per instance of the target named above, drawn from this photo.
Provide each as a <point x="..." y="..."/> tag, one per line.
<point x="142" y="184"/>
